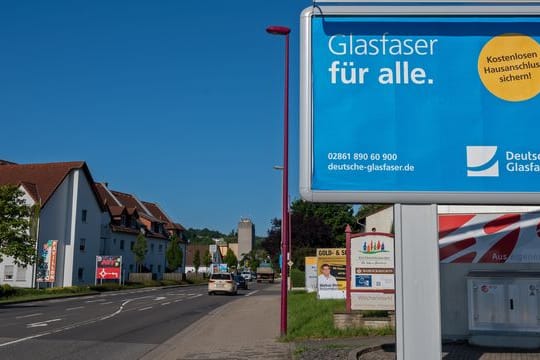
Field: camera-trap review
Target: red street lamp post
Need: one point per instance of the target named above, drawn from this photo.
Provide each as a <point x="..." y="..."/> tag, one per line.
<point x="282" y="30"/>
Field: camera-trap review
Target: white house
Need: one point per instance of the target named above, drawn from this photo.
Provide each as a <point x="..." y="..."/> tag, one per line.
<point x="71" y="213"/>
<point x="130" y="217"/>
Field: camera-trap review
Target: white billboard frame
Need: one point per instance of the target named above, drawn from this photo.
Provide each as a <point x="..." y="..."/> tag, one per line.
<point x="391" y="8"/>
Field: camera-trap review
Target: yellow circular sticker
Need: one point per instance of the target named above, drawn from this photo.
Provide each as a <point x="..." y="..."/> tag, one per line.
<point x="509" y="67"/>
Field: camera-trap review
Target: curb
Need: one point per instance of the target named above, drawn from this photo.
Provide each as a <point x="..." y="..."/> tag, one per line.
<point x="356" y="353"/>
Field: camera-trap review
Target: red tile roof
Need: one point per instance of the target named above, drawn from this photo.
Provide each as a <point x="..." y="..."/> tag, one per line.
<point x="161" y="215"/>
<point x="106" y="196"/>
<point x="42" y="180"/>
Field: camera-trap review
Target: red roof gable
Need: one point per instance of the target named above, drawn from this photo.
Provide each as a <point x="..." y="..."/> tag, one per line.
<point x="42" y="180"/>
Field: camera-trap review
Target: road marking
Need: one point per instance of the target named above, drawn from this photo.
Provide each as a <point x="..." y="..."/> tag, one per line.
<point x="107" y="303"/>
<point x="92" y="301"/>
<point x="27" y="316"/>
<point x="178" y="300"/>
<point x="122" y="307"/>
<point x="146" y="308"/>
<point x="160" y="298"/>
<point x="42" y="323"/>
<point x="24" y="339"/>
<point x="167" y="303"/>
<point x="72" y="326"/>
<point x="251" y="293"/>
<point x="75" y="308"/>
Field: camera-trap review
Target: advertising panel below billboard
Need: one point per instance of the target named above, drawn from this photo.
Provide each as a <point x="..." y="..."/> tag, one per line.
<point x="311" y="273"/>
<point x="372" y="271"/>
<point x="510" y="238"/>
<point x="331" y="278"/>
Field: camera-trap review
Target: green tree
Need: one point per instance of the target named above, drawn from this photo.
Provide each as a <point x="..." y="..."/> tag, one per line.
<point x="140" y="248"/>
<point x="230" y="259"/>
<point x="174" y="254"/>
<point x="18" y="229"/>
<point x="197" y="261"/>
<point x="207" y="259"/>
<point x="333" y="216"/>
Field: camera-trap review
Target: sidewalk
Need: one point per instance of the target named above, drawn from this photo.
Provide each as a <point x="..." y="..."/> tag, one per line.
<point x="246" y="328"/>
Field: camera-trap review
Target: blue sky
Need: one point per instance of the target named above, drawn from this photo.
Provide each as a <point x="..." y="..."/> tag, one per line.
<point x="178" y="102"/>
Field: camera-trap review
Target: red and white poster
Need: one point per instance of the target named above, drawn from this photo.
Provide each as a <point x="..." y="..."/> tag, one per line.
<point x="108" y="267"/>
<point x="490" y="238"/>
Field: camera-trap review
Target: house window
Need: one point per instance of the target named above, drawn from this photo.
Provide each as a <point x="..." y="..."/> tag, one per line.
<point x="159" y="268"/>
<point x="8" y="272"/>
<point x="152" y="247"/>
<point x="151" y="267"/>
<point x="130" y="267"/>
<point x="160" y="247"/>
<point x="80" y="274"/>
<point x="21" y="273"/>
<point x="132" y="245"/>
<point x="84" y="213"/>
<point x="124" y="220"/>
<point x="82" y="244"/>
<point x="121" y="244"/>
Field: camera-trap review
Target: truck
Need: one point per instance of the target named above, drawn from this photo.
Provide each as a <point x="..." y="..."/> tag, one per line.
<point x="265" y="272"/>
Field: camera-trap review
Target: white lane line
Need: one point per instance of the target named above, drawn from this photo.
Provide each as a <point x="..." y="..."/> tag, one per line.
<point x="72" y="326"/>
<point x="146" y="308"/>
<point x="252" y="292"/>
<point x="24" y="339"/>
<point x="178" y="300"/>
<point x="75" y="308"/>
<point x="27" y="316"/>
<point x="42" y="323"/>
<point x="167" y="303"/>
<point x="92" y="301"/>
<point x="160" y="298"/>
<point x="107" y="303"/>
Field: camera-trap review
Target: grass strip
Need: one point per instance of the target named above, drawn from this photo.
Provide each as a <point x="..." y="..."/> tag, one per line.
<point x="310" y="318"/>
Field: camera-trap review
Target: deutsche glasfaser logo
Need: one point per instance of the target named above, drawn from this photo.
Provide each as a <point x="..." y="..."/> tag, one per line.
<point x="481" y="161"/>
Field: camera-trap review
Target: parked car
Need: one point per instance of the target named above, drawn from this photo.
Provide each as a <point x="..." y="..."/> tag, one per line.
<point x="247" y="275"/>
<point x="241" y="282"/>
<point x="222" y="283"/>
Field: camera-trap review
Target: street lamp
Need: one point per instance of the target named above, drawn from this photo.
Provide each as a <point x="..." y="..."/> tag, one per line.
<point x="289" y="233"/>
<point x="282" y="30"/>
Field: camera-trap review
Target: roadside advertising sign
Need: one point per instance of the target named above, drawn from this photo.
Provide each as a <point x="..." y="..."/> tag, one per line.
<point x="46" y="268"/>
<point x="372" y="271"/>
<point x="420" y="109"/>
<point x="108" y="267"/>
<point x="331" y="278"/>
<point x="510" y="238"/>
<point x="311" y="273"/>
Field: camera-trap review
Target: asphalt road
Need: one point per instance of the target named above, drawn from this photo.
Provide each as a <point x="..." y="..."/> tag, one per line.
<point x="115" y="325"/>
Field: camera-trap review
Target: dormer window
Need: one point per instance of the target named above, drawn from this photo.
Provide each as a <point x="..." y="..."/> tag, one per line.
<point x="124" y="220"/>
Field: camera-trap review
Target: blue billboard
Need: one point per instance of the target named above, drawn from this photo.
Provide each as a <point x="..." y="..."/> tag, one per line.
<point x="436" y="107"/>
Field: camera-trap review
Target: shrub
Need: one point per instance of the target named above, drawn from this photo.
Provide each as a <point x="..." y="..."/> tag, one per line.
<point x="7" y="291"/>
<point x="106" y="287"/>
<point x="298" y="278"/>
